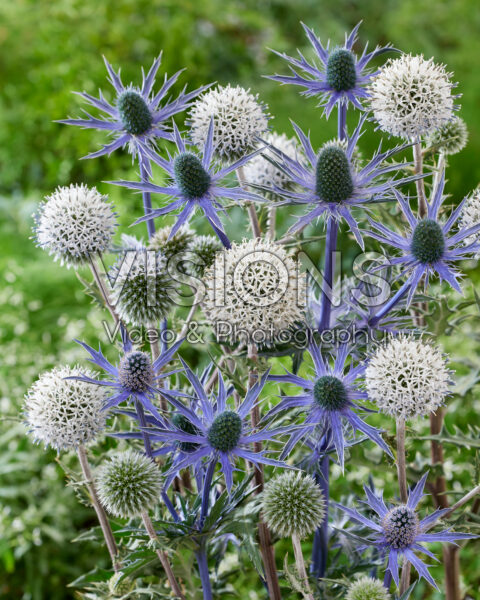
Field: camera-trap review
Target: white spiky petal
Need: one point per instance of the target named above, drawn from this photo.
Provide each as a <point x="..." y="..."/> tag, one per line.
<point x="411" y="96"/>
<point x="75" y="222"/>
<point x="254" y="286"/>
<point x="471" y="217"/>
<point x="367" y="588"/>
<point x="129" y="484"/>
<point x="407" y="377"/>
<point x="238" y="119"/>
<point x="64" y="413"/>
<point x="260" y="171"/>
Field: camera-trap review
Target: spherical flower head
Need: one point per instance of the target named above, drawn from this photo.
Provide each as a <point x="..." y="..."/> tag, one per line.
<point x="129" y="484"/>
<point x="238" y="118"/>
<point x="330" y="393"/>
<point x="333" y="177"/>
<point x="134" y="113"/>
<point x="177" y="244"/>
<point x="260" y="171"/>
<point x="411" y="97"/>
<point x="407" y="378"/>
<point x="74" y="223"/>
<point x="450" y="138"/>
<point x="261" y="292"/>
<point x="293" y="504"/>
<point x="205" y="248"/>
<point x="367" y="588"/>
<point x="400" y="527"/>
<point x="65" y="413"/>
<point x="135" y="371"/>
<point x="143" y="291"/>
<point x="428" y="241"/>
<point x="471" y="217"/>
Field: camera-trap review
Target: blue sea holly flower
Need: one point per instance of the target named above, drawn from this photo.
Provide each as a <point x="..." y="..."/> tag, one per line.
<point x="210" y="431"/>
<point x="137" y="116"/>
<point x="135" y="378"/>
<point x="195" y="182"/>
<point x="399" y="532"/>
<point x="329" y="400"/>
<point x="429" y="247"/>
<point x="333" y="183"/>
<point x="342" y="76"/>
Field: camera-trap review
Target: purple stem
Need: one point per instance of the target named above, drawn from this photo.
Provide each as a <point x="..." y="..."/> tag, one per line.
<point x="330" y="248"/>
<point x="207" y="484"/>
<point x="202" y="562"/>
<point x="387" y="580"/>
<point x="147" y="200"/>
<point x="394" y="300"/>
<point x="320" y="540"/>
<point x="342" y="121"/>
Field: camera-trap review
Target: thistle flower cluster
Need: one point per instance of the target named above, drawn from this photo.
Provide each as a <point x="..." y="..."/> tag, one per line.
<point x="367" y="588"/>
<point x="450" y="138"/>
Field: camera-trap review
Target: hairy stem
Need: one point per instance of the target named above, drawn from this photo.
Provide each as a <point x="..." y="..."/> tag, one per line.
<point x="420" y="184"/>
<point x="147" y="201"/>
<point x="300" y="562"/>
<point x="103" y="290"/>
<point x="102" y="517"/>
<point x="163" y="557"/>
<point x="403" y="487"/>
<point x="252" y="213"/>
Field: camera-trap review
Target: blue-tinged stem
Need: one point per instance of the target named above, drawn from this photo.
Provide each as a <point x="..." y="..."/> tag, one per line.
<point x="387" y="580"/>
<point x="207" y="484"/>
<point x="320" y="540"/>
<point x="394" y="300"/>
<point x="202" y="562"/>
<point x="147" y="201"/>
<point x="342" y="121"/>
<point x="328" y="275"/>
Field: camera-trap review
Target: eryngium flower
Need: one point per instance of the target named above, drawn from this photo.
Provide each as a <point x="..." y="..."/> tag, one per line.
<point x="342" y="77"/>
<point x="261" y="171"/>
<point x="254" y="287"/>
<point x="411" y="97"/>
<point x="367" y="588"/>
<point x="428" y="248"/>
<point x="129" y="484"/>
<point x="143" y="290"/>
<point x="238" y="118"/>
<point x="399" y="532"/>
<point x="137" y="116"/>
<point x="450" y="138"/>
<point x="471" y="217"/>
<point x="74" y="223"/>
<point x="65" y="413"/>
<point x="293" y="504"/>
<point x="407" y="378"/>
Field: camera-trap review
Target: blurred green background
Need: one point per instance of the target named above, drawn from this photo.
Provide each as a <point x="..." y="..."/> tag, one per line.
<point x="50" y="48"/>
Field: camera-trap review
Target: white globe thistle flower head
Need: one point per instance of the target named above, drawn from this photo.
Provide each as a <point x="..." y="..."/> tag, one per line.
<point x="73" y="223"/>
<point x="367" y="588"/>
<point x="407" y="377"/>
<point x="255" y="290"/>
<point x="129" y="484"/>
<point x="262" y="172"/>
<point x="238" y="117"/>
<point x="293" y="504"/>
<point x="471" y="217"/>
<point x="412" y="97"/>
<point x="65" y="413"/>
<point x="450" y="138"/>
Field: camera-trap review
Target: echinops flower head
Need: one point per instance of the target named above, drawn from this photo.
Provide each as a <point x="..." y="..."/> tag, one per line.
<point x="204" y="249"/>
<point x="171" y="246"/>
<point x="407" y="378"/>
<point x="412" y="97"/>
<point x="238" y="117"/>
<point x="367" y="588"/>
<point x="293" y="504"/>
<point x="65" y="413"/>
<point x="129" y="484"/>
<point x="450" y="138"/>
<point x="74" y="223"/>
<point x="470" y="217"/>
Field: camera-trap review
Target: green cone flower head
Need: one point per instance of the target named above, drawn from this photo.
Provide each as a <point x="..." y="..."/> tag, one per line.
<point x="367" y="588"/>
<point x="293" y="503"/>
<point x="178" y="244"/>
<point x="129" y="484"/>
<point x="450" y="138"/>
<point x="205" y="248"/>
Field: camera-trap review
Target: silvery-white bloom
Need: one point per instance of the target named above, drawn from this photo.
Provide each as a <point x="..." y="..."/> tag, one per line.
<point x="293" y="504"/>
<point x="260" y="171"/>
<point x="411" y="96"/>
<point x="471" y="216"/>
<point x="450" y="138"/>
<point x="238" y="118"/>
<point x="64" y="413"/>
<point x="129" y="484"/>
<point x="254" y="287"/>
<point x="367" y="588"/>
<point x="407" y="377"/>
<point x="73" y="223"/>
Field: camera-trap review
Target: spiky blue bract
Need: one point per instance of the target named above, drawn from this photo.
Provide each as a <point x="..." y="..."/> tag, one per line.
<point x="138" y="115"/>
<point x="399" y="532"/>
<point x="329" y="399"/>
<point x="332" y="181"/>
<point x="431" y="246"/>
<point x="341" y="77"/>
<point x="135" y="378"/>
<point x="215" y="431"/>
<point x="196" y="182"/>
